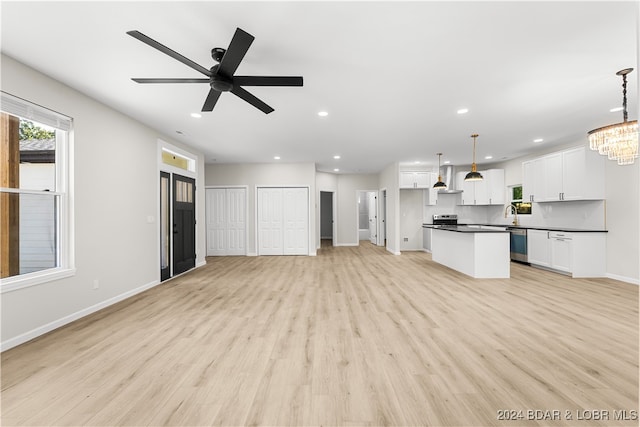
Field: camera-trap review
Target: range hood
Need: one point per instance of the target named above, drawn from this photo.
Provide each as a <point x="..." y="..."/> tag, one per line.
<point x="448" y="177"/>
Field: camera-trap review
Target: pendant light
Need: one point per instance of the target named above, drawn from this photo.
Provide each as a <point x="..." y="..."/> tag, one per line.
<point x="620" y="141"/>
<point x="439" y="185"/>
<point x="474" y="175"/>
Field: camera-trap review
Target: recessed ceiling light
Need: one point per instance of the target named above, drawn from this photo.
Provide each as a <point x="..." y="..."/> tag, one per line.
<point x="196" y="115"/>
<point x="446" y="162"/>
<point x="615" y="110"/>
<point x="336" y="170"/>
<point x="323" y="113"/>
<point x="276" y="157"/>
<point x="488" y="157"/>
<point x="538" y="140"/>
<point x="463" y="111"/>
<point x="417" y="162"/>
<point x="336" y="157"/>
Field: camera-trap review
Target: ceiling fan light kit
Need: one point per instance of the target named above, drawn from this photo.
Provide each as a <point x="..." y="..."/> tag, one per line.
<point x="474" y="175"/>
<point x="221" y="77"/>
<point x="619" y="141"/>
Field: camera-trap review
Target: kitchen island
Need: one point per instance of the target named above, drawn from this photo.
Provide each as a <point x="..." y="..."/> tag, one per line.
<point x="478" y="251"/>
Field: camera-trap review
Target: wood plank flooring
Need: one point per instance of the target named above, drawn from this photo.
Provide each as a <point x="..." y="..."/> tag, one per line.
<point x="355" y="336"/>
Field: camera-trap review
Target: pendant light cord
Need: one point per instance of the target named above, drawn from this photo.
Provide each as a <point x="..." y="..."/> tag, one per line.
<point x="624" y="97"/>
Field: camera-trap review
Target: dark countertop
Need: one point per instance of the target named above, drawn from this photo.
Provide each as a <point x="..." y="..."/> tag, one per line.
<point x="462" y="228"/>
<point x="521" y="227"/>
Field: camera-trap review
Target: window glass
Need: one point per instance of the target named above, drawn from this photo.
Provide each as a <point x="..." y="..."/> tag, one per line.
<point x="523" y="208"/>
<point x="33" y="203"/>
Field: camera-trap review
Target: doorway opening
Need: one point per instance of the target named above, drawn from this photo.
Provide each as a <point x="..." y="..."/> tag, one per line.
<point x="368" y="216"/>
<point x="327" y="219"/>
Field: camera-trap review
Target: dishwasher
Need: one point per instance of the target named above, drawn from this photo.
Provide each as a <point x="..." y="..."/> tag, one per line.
<point x="518" y="244"/>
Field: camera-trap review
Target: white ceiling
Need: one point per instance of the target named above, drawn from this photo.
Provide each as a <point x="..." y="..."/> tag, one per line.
<point x="391" y="74"/>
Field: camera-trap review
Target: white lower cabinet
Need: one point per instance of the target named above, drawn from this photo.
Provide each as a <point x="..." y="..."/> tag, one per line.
<point x="538" y="247"/>
<point x="561" y="249"/>
<point x="581" y="254"/>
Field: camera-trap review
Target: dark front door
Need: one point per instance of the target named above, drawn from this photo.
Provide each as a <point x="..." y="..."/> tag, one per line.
<point x="165" y="226"/>
<point x="184" y="224"/>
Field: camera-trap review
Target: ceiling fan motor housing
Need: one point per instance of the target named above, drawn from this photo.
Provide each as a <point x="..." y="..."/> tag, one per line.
<point x="220" y="84"/>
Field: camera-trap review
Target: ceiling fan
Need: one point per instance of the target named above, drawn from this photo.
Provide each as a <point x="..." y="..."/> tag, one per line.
<point x="220" y="77"/>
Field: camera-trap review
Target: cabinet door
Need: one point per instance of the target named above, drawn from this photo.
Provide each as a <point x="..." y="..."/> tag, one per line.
<point x="552" y="177"/>
<point x="528" y="181"/>
<point x="407" y="179"/>
<point x="561" y="254"/>
<point x="495" y="186"/>
<point x="575" y="181"/>
<point x="538" y="247"/>
<point x="422" y="179"/>
<point x="481" y="190"/>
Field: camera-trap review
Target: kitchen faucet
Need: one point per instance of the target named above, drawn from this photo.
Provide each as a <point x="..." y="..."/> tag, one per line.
<point x="510" y="208"/>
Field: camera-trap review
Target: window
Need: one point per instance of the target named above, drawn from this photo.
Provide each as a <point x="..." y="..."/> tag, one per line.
<point x="523" y="208"/>
<point x="34" y="194"/>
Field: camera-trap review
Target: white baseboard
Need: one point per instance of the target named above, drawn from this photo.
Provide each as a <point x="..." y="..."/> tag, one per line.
<point x="393" y="252"/>
<point x="347" y="244"/>
<point x="41" y="330"/>
<point x="623" y="279"/>
<point x="252" y="254"/>
<point x="201" y="263"/>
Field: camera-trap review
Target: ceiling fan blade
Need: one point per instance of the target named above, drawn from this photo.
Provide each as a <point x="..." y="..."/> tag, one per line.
<point x="267" y="81"/>
<point x="237" y="49"/>
<point x="162" y="48"/>
<point x="251" y="99"/>
<point x="211" y="100"/>
<point x="171" y="80"/>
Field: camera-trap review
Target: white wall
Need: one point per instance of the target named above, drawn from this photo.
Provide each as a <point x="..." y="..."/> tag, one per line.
<point x="411" y="202"/>
<point x="115" y="189"/>
<point x="268" y="174"/>
<point x="389" y="178"/>
<point x="348" y="187"/>
<point x="622" y="187"/>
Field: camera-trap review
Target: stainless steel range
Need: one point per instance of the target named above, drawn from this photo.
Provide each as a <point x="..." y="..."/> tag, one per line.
<point x="445" y="219"/>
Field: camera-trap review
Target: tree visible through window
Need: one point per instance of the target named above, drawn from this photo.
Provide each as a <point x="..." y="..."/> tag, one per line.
<point x="33" y="193"/>
<point x="523" y="208"/>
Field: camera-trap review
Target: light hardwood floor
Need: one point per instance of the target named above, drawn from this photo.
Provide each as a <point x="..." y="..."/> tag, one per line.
<point x="354" y="336"/>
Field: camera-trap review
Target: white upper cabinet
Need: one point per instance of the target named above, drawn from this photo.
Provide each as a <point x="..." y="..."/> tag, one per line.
<point x="415" y="179"/>
<point x="575" y="174"/>
<point x="489" y="191"/>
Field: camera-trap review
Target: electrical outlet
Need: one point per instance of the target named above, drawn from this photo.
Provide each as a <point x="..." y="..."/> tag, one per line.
<point x="96" y="284"/>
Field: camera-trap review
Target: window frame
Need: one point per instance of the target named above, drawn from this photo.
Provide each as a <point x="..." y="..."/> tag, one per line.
<point x="513" y="201"/>
<point x="27" y="110"/>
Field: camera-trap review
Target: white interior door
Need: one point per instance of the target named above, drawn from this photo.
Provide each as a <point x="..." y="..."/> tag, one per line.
<point x="226" y="221"/>
<point x="216" y="221"/>
<point x="296" y="221"/>
<point x="236" y="221"/>
<point x="373" y="221"/>
<point x="283" y="221"/>
<point x="270" y="221"/>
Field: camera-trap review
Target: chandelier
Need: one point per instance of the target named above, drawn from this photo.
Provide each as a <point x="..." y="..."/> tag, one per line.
<point x="620" y="141"/>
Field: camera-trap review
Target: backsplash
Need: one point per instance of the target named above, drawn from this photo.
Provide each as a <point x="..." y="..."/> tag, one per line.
<point x="587" y="214"/>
